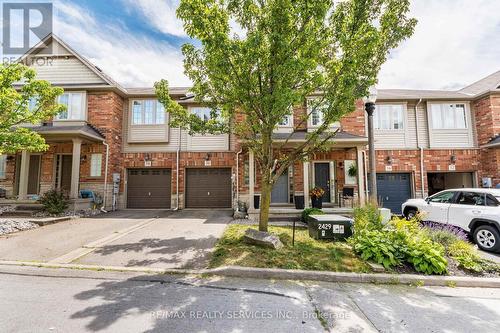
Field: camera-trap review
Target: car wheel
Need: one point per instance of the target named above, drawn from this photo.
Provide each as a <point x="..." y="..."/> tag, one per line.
<point x="487" y="238"/>
<point x="410" y="214"/>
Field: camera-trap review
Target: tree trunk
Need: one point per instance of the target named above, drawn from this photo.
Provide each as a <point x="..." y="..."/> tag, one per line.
<point x="265" y="203"/>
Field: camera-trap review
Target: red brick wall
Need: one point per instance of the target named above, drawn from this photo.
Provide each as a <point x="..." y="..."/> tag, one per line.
<point x="354" y="122"/>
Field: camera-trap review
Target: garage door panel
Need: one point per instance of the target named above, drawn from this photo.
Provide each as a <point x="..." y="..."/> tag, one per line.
<point x="393" y="190"/>
<point x="149" y="188"/>
<point x="208" y="188"/>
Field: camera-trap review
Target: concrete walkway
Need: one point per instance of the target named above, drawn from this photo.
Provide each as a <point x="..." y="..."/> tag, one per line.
<point x="146" y="238"/>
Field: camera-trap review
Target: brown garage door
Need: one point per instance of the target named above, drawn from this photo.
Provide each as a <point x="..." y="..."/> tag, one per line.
<point x="148" y="188"/>
<point x="208" y="188"/>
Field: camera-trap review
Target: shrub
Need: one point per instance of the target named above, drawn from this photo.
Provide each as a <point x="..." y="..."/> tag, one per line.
<point x="367" y="217"/>
<point x="379" y="246"/>
<point x="466" y="255"/>
<point x="440" y="230"/>
<point x="311" y="211"/>
<point x="54" y="202"/>
<point x="426" y="256"/>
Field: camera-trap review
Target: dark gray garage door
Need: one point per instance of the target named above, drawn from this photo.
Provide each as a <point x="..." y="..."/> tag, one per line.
<point x="149" y="188"/>
<point x="393" y="189"/>
<point x="208" y="188"/>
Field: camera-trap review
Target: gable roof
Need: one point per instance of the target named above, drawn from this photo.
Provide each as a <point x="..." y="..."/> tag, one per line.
<point x="35" y="50"/>
<point x="489" y="83"/>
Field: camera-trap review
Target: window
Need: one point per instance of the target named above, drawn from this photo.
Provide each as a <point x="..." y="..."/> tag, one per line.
<point x="315" y="109"/>
<point x="148" y="112"/>
<point x="95" y="165"/>
<point x="491" y="201"/>
<point x="202" y="113"/>
<point x="3" y="165"/>
<point x="286" y="121"/>
<point x="472" y="198"/>
<point x="446" y="197"/>
<point x="448" y="116"/>
<point x="388" y="117"/>
<point x="75" y="106"/>
<point x="246" y="173"/>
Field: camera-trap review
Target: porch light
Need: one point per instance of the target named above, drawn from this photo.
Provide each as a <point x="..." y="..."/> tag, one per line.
<point x="453" y="159"/>
<point x="147" y="157"/>
<point x="83" y="158"/>
<point x="389" y="160"/>
<point x="208" y="156"/>
<point x="372" y="96"/>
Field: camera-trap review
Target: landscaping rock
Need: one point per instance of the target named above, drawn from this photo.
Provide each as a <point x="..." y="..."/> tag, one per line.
<point x="262" y="238"/>
<point x="239" y="215"/>
<point x="8" y="226"/>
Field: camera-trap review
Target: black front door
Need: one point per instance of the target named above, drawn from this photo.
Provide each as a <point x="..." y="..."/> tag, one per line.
<point x="322" y="178"/>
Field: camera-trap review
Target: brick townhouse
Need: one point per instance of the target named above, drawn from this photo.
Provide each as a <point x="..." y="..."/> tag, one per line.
<point x="117" y="141"/>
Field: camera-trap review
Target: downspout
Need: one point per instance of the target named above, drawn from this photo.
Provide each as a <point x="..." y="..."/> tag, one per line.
<point x="103" y="208"/>
<point x="421" y="150"/>
<point x="238" y="180"/>
<point x="177" y="171"/>
<point x="365" y="173"/>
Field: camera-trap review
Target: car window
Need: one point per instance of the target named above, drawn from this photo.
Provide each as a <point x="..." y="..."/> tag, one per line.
<point x="492" y="201"/>
<point x="472" y="199"/>
<point x="445" y="197"/>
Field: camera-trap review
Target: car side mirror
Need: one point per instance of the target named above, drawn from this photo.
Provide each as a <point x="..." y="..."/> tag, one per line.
<point x="427" y="200"/>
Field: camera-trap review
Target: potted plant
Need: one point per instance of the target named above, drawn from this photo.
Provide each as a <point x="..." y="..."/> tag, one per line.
<point x="352" y="171"/>
<point x="317" y="197"/>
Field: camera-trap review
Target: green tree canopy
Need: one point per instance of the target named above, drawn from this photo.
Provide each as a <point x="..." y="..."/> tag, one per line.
<point x="24" y="100"/>
<point x="287" y="51"/>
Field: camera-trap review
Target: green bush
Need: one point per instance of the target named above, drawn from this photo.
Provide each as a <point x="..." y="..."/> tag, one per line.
<point x="311" y="211"/>
<point x="54" y="202"/>
<point x="442" y="237"/>
<point x="466" y="256"/>
<point x="397" y="242"/>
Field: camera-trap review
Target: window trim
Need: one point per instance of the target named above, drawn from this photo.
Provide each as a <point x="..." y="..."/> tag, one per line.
<point x="84" y="107"/>
<point x="468" y="116"/>
<point x="405" y="118"/>
<point x="91" y="165"/>
<point x="155" y="112"/>
<point x="310" y="124"/>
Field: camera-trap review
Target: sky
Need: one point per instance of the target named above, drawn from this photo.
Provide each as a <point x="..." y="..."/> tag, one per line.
<point x="138" y="42"/>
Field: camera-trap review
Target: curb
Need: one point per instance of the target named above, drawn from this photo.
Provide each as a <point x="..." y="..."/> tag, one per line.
<point x="288" y="274"/>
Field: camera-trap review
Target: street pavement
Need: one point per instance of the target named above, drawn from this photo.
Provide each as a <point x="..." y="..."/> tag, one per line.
<point x="59" y="300"/>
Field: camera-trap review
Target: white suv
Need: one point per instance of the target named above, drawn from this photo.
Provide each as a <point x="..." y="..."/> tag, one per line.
<point x="475" y="210"/>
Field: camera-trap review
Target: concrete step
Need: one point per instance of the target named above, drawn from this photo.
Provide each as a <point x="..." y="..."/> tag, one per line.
<point x="30" y="207"/>
<point x="19" y="213"/>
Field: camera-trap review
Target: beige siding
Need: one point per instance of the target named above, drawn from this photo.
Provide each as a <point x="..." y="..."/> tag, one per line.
<point x="66" y="70"/>
<point x="208" y="143"/>
<point x="423" y="128"/>
<point x="451" y="138"/>
<point x="148" y="133"/>
<point x="393" y="139"/>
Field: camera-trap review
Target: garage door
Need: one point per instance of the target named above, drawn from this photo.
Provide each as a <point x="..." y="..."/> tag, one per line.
<point x="208" y="188"/>
<point x="393" y="189"/>
<point x="148" y="188"/>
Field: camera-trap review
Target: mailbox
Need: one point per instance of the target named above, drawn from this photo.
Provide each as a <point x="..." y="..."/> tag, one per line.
<point x="329" y="227"/>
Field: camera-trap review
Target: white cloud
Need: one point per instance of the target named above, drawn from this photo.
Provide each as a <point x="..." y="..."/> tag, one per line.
<point x="456" y="42"/>
<point x="159" y="14"/>
<point x="132" y="60"/>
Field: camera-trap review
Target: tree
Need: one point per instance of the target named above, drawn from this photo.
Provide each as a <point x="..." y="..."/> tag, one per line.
<point x="288" y="51"/>
<point x="24" y="100"/>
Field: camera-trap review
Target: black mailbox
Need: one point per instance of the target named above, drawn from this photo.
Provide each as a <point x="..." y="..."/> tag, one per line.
<point x="329" y="227"/>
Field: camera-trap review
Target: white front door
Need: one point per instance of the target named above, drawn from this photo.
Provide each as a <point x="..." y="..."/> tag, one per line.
<point x="438" y="206"/>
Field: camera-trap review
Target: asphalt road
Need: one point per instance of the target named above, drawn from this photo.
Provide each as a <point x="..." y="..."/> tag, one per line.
<point x="57" y="300"/>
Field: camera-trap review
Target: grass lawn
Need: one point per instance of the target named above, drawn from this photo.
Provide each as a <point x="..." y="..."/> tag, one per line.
<point x="308" y="254"/>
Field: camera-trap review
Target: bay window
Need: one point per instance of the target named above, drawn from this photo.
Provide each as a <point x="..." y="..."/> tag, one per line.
<point x="448" y="116"/>
<point x="75" y="106"/>
<point x="148" y="112"/>
<point x="389" y="117"/>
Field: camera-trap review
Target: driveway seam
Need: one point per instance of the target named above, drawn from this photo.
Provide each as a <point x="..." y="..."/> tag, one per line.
<point x="92" y="246"/>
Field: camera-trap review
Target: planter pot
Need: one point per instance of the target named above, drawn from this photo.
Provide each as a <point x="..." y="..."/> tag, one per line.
<point x="299" y="202"/>
<point x="317" y="202"/>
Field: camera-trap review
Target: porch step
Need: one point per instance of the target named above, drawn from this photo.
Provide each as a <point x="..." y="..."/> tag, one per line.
<point x="22" y="210"/>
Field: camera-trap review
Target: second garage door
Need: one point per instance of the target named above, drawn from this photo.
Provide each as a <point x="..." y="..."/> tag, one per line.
<point x="208" y="188"/>
<point x="393" y="189"/>
<point x="148" y="188"/>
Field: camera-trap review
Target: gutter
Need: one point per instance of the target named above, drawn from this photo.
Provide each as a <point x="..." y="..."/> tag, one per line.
<point x="421" y="150"/>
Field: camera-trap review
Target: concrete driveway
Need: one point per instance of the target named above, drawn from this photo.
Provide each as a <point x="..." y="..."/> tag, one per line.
<point x="131" y="238"/>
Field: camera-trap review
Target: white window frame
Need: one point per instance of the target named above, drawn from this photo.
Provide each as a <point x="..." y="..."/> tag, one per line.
<point x="3" y="166"/>
<point x="377" y="120"/>
<point x="70" y="111"/>
<point x="96" y="165"/>
<point x="442" y="116"/>
<point x="310" y="123"/>
<point x="154" y="114"/>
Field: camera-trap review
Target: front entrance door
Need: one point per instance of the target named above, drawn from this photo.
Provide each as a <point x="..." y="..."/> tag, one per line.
<point x="33" y="174"/>
<point x="63" y="172"/>
<point x="322" y="179"/>
<point x="279" y="193"/>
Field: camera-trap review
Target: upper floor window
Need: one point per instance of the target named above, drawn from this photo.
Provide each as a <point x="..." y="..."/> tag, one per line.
<point x="315" y="108"/>
<point x="287" y="121"/>
<point x="75" y="106"/>
<point x="388" y="117"/>
<point x="148" y="112"/>
<point x="448" y="116"/>
<point x="205" y="113"/>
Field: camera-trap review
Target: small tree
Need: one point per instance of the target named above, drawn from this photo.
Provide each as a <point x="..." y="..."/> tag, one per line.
<point x="289" y="50"/>
<point x="24" y="100"/>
